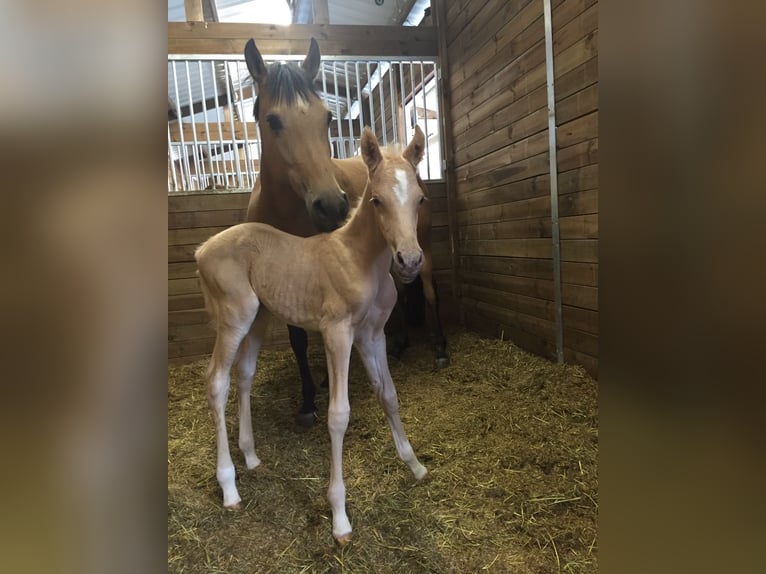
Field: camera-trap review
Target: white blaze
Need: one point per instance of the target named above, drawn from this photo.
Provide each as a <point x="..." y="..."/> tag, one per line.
<point x="400" y="187"/>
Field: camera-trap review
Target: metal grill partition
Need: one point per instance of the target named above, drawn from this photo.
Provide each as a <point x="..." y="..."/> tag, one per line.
<point x="213" y="140"/>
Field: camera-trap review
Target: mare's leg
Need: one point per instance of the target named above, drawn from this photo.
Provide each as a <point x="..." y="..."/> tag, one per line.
<point x="438" y="342"/>
<point x="397" y="324"/>
<point x="371" y="344"/>
<point x="246" y="366"/>
<point x="232" y="328"/>
<point x="338" y="342"/>
<point x="299" y="343"/>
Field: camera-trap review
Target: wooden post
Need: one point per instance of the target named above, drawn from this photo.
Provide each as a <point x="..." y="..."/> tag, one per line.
<point x="194" y="11"/>
<point x="440" y="20"/>
<point x="321" y="11"/>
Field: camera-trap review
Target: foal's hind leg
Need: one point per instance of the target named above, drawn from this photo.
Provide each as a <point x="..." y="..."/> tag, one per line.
<point x="231" y="331"/>
<point x="246" y="365"/>
<point x="372" y="348"/>
<point x="299" y="343"/>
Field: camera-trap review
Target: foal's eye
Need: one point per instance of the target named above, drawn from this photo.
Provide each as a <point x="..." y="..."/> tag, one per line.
<point x="329" y="118"/>
<point x="422" y="200"/>
<point x="274" y="122"/>
<point x="375" y="201"/>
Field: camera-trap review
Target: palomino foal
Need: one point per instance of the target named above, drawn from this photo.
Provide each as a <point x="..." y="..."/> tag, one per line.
<point x="336" y="283"/>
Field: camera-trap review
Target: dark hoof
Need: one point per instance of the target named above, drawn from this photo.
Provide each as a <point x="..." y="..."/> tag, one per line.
<point x="307" y="419"/>
<point x="396" y="350"/>
<point x="442" y="362"/>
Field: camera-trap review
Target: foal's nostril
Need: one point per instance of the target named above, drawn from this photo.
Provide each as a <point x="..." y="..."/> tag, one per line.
<point x="399" y="258"/>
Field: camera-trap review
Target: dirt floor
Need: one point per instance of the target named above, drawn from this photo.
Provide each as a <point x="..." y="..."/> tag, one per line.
<point x="510" y="441"/>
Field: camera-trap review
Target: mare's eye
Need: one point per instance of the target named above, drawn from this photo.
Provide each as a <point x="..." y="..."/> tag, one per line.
<point x="329" y="118"/>
<point x="375" y="201"/>
<point x="274" y="122"/>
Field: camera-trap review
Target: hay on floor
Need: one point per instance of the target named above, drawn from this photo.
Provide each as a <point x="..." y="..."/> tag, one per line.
<point x="510" y="441"/>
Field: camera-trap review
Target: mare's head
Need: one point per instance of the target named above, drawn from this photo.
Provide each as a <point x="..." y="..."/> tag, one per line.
<point x="396" y="197"/>
<point x="294" y="122"/>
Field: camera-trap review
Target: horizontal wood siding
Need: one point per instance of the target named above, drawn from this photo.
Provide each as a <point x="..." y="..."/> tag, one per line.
<point x="194" y="217"/>
<point x="498" y="100"/>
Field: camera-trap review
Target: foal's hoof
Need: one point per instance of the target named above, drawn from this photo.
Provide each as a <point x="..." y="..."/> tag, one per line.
<point x="442" y="362"/>
<point x="343" y="540"/>
<point x="307" y="419"/>
<point x="234" y="507"/>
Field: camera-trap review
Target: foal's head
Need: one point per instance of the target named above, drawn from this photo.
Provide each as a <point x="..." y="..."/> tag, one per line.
<point x="396" y="197"/>
<point x="294" y="122"/>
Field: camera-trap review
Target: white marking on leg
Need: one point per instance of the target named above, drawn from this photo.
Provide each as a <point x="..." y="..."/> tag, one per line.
<point x="400" y="187"/>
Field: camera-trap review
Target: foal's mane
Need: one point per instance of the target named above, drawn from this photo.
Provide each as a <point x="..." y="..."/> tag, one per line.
<point x="286" y="83"/>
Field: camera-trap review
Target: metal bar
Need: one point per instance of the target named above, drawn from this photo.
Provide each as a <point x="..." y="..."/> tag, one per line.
<point x="338" y="119"/>
<point x="172" y="163"/>
<point x="348" y="115"/>
<point x="553" y="168"/>
<point x="207" y="125"/>
<point x="248" y="153"/>
<point x="218" y="122"/>
<point x="291" y="57"/>
<point x="425" y="118"/>
<point x="405" y="137"/>
<point x="392" y="95"/>
<point x="236" y="159"/>
<point x="382" y="103"/>
<point x="197" y="162"/>
<point x="184" y="158"/>
<point x="369" y="101"/>
<point x="359" y="99"/>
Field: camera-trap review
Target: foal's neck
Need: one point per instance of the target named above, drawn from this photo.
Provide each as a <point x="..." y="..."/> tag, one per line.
<point x="362" y="232"/>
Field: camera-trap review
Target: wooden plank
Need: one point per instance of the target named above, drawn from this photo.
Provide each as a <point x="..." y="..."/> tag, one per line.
<point x="579" y="296"/>
<point x="334" y="40"/>
<point x="532" y="268"/>
<point x="574" y="30"/>
<point x="578" y="78"/>
<point x="529" y="286"/>
<point x="579" y="179"/>
<point x="576" y="54"/>
<point x="579" y="227"/>
<point x="518" y="170"/>
<point x="216" y="218"/>
<point x="188" y="317"/>
<point x="514" y="229"/>
<point x="586" y="343"/>
<point x="582" y="250"/>
<point x="537" y="186"/>
<point x="579" y="273"/>
<point x="578" y="104"/>
<point x="193" y="10"/>
<point x="190" y="332"/>
<point x="181" y="253"/>
<point x="537" y="207"/>
<point x="578" y="155"/>
<point x="522" y="304"/>
<point x="581" y="203"/>
<point x="183" y="286"/>
<point x="528" y="147"/>
<point x="564" y="11"/>
<point x="185" y="302"/>
<point x="580" y="319"/>
<point x="207" y="201"/>
<point x="194" y="235"/>
<point x="321" y="11"/>
<point x="190" y="348"/>
<point x="535" y="248"/>
<point x="578" y="130"/>
<point x="182" y="270"/>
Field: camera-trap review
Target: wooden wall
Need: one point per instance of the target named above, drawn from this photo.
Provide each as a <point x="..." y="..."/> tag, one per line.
<point x="498" y="110"/>
<point x="195" y="216"/>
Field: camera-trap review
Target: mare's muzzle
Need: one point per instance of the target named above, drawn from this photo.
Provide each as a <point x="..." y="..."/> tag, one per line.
<point x="329" y="212"/>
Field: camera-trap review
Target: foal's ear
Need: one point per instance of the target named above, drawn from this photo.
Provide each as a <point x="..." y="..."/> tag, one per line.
<point x="416" y="148"/>
<point x="255" y="63"/>
<point x="370" y="149"/>
<point x="310" y="65"/>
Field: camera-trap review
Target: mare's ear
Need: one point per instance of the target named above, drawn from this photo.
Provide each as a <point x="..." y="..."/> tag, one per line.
<point x="416" y="148"/>
<point x="311" y="63"/>
<point x="370" y="149"/>
<point x="255" y="63"/>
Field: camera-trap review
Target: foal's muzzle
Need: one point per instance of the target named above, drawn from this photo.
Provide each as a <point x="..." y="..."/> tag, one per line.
<point x="407" y="264"/>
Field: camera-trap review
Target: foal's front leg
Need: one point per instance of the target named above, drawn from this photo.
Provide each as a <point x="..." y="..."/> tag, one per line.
<point x="338" y="341"/>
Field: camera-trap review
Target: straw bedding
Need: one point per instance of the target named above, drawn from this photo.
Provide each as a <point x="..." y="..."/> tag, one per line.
<point x="510" y="441"/>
